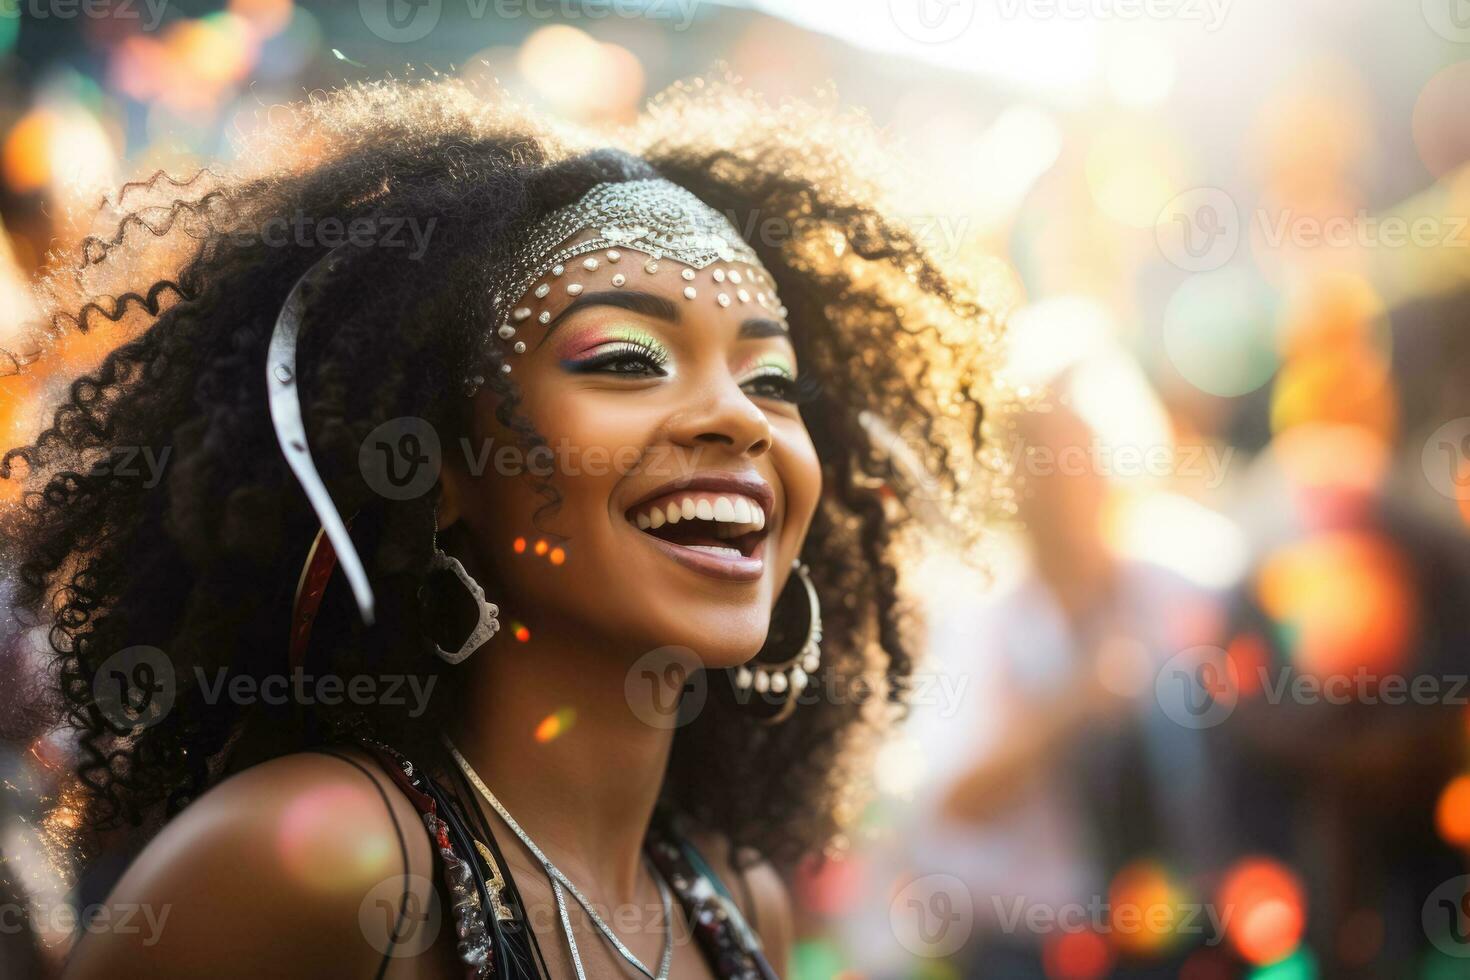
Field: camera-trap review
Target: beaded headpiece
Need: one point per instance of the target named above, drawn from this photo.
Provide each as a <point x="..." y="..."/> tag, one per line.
<point x="655" y="217"/>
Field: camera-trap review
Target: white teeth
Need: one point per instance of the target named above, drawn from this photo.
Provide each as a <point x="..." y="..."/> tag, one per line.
<point x="714" y="550"/>
<point x="735" y="515"/>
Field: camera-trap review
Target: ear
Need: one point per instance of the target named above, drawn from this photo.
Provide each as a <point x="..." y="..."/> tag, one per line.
<point x="451" y="495"/>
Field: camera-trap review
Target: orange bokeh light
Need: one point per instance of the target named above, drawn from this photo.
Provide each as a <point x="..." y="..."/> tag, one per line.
<point x="1452" y="815"/>
<point x="1267" y="908"/>
<point x="1347" y="597"/>
<point x="1145" y="907"/>
<point x="1249" y="658"/>
<point x="555" y="724"/>
<point x="1076" y="956"/>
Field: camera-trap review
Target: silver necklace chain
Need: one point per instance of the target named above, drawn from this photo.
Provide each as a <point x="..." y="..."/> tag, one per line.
<point x="560" y="881"/>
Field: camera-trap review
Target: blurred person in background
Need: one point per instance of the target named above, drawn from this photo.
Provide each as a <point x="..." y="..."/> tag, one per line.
<point x="1062" y="773"/>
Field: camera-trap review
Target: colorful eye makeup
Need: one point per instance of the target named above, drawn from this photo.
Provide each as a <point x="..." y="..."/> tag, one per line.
<point x="768" y="365"/>
<point x="601" y="346"/>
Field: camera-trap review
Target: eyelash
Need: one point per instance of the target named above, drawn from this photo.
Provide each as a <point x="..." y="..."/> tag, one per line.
<point x="625" y="352"/>
<point x="798" y="390"/>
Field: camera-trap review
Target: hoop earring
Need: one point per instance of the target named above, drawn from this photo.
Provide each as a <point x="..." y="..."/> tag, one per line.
<point x="486" y="624"/>
<point x="790" y="676"/>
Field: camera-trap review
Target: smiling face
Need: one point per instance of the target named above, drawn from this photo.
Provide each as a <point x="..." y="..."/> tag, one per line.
<point x="667" y="397"/>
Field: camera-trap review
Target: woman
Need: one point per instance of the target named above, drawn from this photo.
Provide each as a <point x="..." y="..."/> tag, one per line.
<point x="483" y="449"/>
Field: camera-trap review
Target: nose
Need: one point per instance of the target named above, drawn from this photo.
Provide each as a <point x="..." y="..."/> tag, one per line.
<point x="723" y="415"/>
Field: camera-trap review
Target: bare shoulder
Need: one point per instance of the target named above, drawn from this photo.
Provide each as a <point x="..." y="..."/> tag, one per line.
<point x="292" y="868"/>
<point x="760" y="893"/>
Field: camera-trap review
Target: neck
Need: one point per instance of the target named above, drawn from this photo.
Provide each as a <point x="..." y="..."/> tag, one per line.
<point x="547" y="726"/>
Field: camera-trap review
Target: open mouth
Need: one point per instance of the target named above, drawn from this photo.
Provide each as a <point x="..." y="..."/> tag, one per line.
<point x="721" y="532"/>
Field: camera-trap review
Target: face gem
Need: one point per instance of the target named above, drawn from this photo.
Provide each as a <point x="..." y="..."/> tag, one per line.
<point x="689" y="292"/>
<point x="650" y="267"/>
<point x="719" y="275"/>
<point x="619" y="279"/>
<point x="735" y="276"/>
<point x="688" y="274"/>
<point x="542" y="290"/>
<point x="613" y="255"/>
<point x="589" y="264"/>
<point x="574" y="289"/>
<point x="545" y="316"/>
<point x="507" y="331"/>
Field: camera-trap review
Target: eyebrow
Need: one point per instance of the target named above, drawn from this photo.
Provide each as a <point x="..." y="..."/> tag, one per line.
<point x="656" y="307"/>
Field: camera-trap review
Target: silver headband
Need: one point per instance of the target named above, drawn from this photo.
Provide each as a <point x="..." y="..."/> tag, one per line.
<point x="656" y="217"/>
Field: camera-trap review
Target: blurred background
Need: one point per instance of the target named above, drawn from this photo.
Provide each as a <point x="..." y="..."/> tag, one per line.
<point x="1207" y="716"/>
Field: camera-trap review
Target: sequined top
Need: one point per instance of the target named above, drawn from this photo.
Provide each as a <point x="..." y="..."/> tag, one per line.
<point x="495" y="942"/>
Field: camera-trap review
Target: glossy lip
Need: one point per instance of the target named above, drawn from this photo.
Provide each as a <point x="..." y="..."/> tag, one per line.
<point x="742" y="569"/>
<point x="746" y="568"/>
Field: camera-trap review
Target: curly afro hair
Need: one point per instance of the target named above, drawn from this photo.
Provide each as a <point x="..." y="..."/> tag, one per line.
<point x="203" y="562"/>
